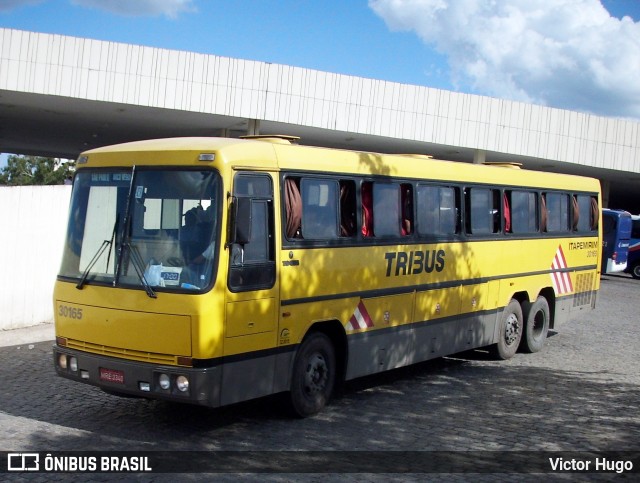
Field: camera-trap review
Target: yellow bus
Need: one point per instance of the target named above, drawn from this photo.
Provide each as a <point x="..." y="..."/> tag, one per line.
<point x="214" y="270"/>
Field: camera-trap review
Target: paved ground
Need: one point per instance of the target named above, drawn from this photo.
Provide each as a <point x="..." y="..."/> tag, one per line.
<point x="579" y="394"/>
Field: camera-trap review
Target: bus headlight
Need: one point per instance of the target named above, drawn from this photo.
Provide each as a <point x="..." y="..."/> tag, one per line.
<point x="164" y="381"/>
<point x="73" y="364"/>
<point x="182" y="383"/>
<point x="62" y="361"/>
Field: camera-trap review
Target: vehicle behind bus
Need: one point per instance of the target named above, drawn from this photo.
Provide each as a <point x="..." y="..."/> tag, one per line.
<point x="616" y="235"/>
<point x="633" y="262"/>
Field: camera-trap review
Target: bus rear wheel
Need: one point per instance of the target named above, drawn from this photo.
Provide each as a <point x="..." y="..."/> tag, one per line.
<point x="536" y="327"/>
<point x="510" y="331"/>
<point x="313" y="375"/>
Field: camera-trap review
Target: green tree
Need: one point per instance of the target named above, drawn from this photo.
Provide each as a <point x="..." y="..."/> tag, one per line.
<point x="35" y="170"/>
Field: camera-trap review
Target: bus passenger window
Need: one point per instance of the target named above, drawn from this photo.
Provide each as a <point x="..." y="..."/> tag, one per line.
<point x="506" y="213"/>
<point x="348" y="218"/>
<point x="595" y="214"/>
<point x="406" y="193"/>
<point x="575" y="213"/>
<point x="482" y="211"/>
<point x="319" y="208"/>
<point x="557" y="205"/>
<point x="524" y="212"/>
<point x="293" y="207"/>
<point x="366" y="192"/>
<point x="496" y="210"/>
<point x="437" y="212"/>
<point x="544" y="214"/>
<point x="386" y="209"/>
<point x="585" y="213"/>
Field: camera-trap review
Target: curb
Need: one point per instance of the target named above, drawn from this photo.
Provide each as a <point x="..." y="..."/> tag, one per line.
<point x="27" y="335"/>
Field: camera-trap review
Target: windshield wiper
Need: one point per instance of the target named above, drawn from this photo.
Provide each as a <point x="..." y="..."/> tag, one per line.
<point x="96" y="257"/>
<point x="138" y="265"/>
<point x="85" y="274"/>
<point x="126" y="246"/>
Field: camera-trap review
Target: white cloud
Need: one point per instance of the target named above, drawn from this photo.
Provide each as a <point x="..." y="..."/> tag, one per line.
<point x="564" y="53"/>
<point x="168" y="8"/>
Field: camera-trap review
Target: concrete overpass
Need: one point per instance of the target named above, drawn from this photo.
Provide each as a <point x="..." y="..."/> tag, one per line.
<point x="61" y="95"/>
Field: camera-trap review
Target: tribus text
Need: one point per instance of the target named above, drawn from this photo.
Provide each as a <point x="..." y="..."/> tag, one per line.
<point x="415" y="262"/>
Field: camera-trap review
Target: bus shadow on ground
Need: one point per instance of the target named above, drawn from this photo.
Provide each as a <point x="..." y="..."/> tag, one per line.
<point x="464" y="402"/>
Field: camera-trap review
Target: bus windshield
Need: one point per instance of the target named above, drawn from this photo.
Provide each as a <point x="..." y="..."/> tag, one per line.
<point x="146" y="228"/>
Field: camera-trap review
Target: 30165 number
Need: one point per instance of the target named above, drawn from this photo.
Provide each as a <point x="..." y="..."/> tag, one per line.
<point x="69" y="312"/>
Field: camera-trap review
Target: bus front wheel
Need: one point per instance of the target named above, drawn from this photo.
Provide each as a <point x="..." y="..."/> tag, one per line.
<point x="536" y="326"/>
<point x="313" y="375"/>
<point x="510" y="331"/>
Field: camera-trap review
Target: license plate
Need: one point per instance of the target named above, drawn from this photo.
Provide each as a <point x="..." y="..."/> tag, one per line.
<point x="111" y="375"/>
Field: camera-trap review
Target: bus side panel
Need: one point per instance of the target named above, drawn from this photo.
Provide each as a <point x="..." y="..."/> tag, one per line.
<point x="464" y="332"/>
<point x="446" y="321"/>
<point x="247" y="379"/>
<point x="392" y="311"/>
<point x="369" y="352"/>
<point x="376" y="351"/>
<point x="250" y="337"/>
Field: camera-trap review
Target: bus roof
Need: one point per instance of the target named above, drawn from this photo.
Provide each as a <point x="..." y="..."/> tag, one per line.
<point x="278" y="152"/>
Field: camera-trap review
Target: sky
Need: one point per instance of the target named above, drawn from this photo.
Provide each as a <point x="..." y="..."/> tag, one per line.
<point x="581" y="55"/>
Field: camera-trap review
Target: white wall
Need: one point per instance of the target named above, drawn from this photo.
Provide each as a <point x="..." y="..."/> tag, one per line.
<point x="33" y="221"/>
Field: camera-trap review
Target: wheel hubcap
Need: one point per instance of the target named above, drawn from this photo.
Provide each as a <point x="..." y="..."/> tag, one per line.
<point x="512" y="329"/>
<point x="316" y="375"/>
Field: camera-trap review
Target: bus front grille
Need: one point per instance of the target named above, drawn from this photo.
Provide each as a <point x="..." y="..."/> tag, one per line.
<point x="122" y="353"/>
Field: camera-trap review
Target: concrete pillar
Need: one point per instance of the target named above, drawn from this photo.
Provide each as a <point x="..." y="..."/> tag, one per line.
<point x="479" y="156"/>
<point x="254" y="127"/>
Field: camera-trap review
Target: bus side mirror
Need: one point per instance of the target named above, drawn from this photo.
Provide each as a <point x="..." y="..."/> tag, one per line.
<point x="240" y="221"/>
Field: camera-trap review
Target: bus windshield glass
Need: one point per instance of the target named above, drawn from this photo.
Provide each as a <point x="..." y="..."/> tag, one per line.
<point x="151" y="229"/>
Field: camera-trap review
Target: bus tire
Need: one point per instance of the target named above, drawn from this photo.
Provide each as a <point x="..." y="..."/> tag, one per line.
<point x="635" y="271"/>
<point x="536" y="326"/>
<point x="313" y="375"/>
<point x="511" y="328"/>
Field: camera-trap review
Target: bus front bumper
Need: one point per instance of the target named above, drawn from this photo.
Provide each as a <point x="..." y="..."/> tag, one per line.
<point x="615" y="267"/>
<point x="140" y="379"/>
